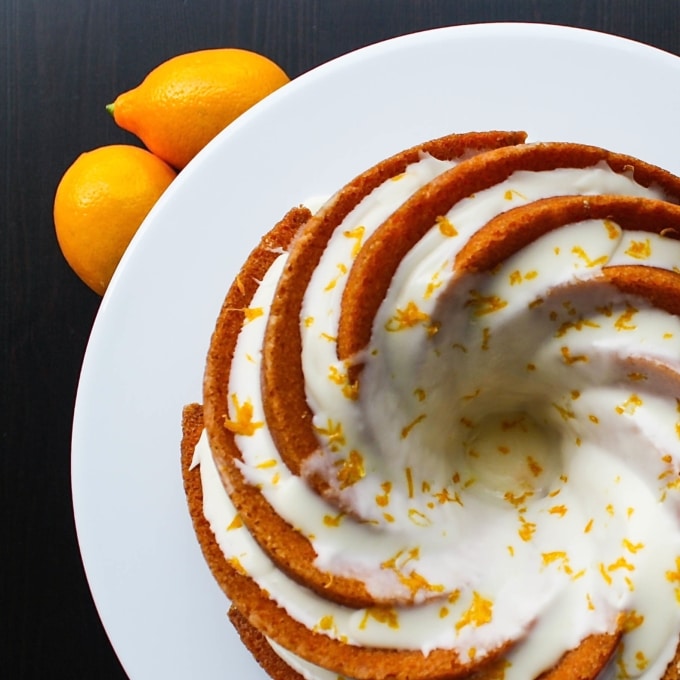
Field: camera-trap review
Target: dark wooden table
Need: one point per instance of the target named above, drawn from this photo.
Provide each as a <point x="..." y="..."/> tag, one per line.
<point x="61" y="61"/>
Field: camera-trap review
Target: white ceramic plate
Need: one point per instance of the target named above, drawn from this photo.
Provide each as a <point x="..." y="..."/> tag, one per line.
<point x="160" y="606"/>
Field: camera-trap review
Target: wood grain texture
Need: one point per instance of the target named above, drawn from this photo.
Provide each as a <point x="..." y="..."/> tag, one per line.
<point x="61" y="62"/>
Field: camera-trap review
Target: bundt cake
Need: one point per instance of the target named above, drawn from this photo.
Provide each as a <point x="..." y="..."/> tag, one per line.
<point x="440" y="430"/>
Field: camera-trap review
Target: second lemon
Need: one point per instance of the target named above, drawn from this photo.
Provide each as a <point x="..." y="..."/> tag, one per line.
<point x="183" y="103"/>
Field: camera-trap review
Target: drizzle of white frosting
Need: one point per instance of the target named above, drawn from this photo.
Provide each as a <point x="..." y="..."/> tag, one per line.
<point x="307" y="670"/>
<point x="509" y="464"/>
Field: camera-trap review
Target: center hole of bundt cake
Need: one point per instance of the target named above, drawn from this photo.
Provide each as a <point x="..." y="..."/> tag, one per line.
<point x="511" y="453"/>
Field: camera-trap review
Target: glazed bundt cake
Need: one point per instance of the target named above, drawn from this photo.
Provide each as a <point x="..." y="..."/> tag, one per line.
<point x="440" y="430"/>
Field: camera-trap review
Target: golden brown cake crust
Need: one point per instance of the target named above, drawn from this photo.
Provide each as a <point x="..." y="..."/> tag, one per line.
<point x="291" y="551"/>
<point x="286" y="408"/>
<point x="509" y="232"/>
<point x="296" y="444"/>
<point x="378" y="260"/>
<point x="258" y="646"/>
<point x="599" y="651"/>
<point x="673" y="668"/>
<point x="361" y="663"/>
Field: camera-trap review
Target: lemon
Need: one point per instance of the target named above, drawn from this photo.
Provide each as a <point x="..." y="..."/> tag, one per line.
<point x="99" y="205"/>
<point x="183" y="103"/>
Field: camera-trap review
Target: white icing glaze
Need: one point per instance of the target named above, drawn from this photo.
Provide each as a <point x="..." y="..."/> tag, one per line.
<point x="308" y="671"/>
<point x="521" y="432"/>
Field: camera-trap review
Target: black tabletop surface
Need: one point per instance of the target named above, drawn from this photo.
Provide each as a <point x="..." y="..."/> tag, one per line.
<point x="61" y="61"/>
